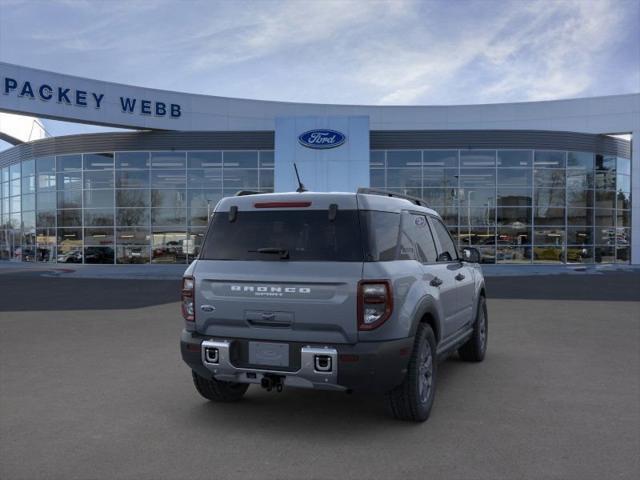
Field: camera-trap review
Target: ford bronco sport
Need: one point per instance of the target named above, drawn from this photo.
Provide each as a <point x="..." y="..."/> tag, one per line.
<point x="341" y="291"/>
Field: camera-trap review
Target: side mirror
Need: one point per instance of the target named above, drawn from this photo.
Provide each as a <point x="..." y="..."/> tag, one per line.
<point x="471" y="255"/>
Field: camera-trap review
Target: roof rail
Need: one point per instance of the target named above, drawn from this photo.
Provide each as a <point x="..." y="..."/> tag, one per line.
<point x="242" y="193"/>
<point x="385" y="193"/>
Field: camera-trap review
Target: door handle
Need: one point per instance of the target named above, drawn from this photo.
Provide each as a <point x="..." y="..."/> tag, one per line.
<point x="459" y="277"/>
<point x="436" y="282"/>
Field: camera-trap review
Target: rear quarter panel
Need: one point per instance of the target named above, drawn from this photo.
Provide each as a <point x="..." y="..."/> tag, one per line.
<point x="409" y="292"/>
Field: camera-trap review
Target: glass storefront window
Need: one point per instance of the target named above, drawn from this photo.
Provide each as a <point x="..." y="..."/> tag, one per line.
<point x="404" y="159"/>
<point x="579" y="254"/>
<point x="477" y="177"/>
<point x="206" y="178"/>
<point x="240" y="160"/>
<point x="549" y="236"/>
<point x="580" y="236"/>
<point x="29" y="202"/>
<point x="96" y="217"/>
<point x="266" y="180"/>
<point x="514" y="216"/>
<point x="267" y="159"/>
<point x="69" y="180"/>
<point x="549" y="178"/>
<point x="377" y="159"/>
<point x="133" y="198"/>
<point x="45" y="165"/>
<point x="98" y="199"/>
<point x="548" y="216"/>
<point x="440" y="159"/>
<point x="98" y="179"/>
<point x="514" y="196"/>
<point x="239" y="178"/>
<point x="377" y="178"/>
<point x="579" y="198"/>
<point x="477" y="158"/>
<point x="133" y="160"/>
<point x="132" y="179"/>
<point x="133" y="236"/>
<point x="133" y="217"/>
<point x="582" y="160"/>
<point x="46" y="218"/>
<point x="14" y="187"/>
<point x="549" y="159"/>
<point x="70" y="199"/>
<point x="509" y="203"/>
<point x="623" y="166"/>
<point x="404" y="177"/>
<point x="439" y="177"/>
<point x="28" y="168"/>
<point x="548" y="254"/>
<point x="168" y="179"/>
<point x="515" y="158"/>
<point x="579" y="179"/>
<point x="168" y="160"/>
<point x="514" y="176"/>
<point x="69" y="162"/>
<point x="514" y="234"/>
<point x="70" y="218"/>
<point x="204" y="159"/>
<point x="168" y="198"/>
<point x="510" y="254"/>
<point x="579" y="216"/>
<point x="605" y="254"/>
<point x="169" y="217"/>
<point x="97" y="161"/>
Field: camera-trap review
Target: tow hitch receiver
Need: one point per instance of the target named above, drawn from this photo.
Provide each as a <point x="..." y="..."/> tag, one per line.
<point x="269" y="382"/>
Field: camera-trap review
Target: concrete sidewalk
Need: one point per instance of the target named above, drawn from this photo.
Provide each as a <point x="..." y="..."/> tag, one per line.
<point x="171" y="271"/>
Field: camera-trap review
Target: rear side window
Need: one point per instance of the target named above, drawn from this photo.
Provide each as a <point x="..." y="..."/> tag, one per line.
<point x="447" y="251"/>
<point x="284" y="235"/>
<point x="380" y="230"/>
<point x="416" y="228"/>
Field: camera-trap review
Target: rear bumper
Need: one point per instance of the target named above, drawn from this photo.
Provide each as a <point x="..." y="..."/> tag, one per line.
<point x="362" y="367"/>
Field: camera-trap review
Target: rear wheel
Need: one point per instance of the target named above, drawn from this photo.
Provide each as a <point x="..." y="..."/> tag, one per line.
<point x="217" y="391"/>
<point x="413" y="398"/>
<point x="475" y="348"/>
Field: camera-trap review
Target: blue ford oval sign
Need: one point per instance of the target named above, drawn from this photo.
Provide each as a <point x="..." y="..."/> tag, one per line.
<point x="322" y="138"/>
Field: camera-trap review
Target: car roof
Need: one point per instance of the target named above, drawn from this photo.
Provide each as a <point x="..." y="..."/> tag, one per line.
<point x="322" y="201"/>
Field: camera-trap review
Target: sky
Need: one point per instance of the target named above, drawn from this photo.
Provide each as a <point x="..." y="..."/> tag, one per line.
<point x="396" y="52"/>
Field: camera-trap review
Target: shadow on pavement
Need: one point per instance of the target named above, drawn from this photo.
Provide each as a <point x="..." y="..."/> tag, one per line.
<point x="31" y="292"/>
<point x="611" y="286"/>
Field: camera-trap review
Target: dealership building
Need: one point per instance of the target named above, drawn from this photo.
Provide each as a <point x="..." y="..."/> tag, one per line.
<point x="538" y="182"/>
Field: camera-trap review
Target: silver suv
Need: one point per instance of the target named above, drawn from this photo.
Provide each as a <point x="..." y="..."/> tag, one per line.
<point x="338" y="291"/>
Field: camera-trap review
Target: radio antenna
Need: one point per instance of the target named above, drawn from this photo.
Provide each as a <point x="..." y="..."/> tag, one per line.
<point x="301" y="187"/>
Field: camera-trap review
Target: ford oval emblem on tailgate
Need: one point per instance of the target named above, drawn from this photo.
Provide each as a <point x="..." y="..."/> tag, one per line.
<point x="322" y="138"/>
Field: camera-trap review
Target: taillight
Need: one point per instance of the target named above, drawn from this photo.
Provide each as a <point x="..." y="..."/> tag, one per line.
<point x="188" y="299"/>
<point x="375" y="303"/>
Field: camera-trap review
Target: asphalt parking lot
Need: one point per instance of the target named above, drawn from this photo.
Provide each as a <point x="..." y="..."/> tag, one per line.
<point x="92" y="387"/>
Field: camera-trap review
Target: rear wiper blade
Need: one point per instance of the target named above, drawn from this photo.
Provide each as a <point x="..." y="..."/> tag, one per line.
<point x="283" y="252"/>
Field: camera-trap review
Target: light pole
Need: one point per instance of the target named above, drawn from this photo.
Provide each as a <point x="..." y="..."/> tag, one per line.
<point x="469" y="216"/>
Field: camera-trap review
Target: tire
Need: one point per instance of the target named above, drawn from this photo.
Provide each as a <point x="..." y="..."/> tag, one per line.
<point x="475" y="348"/>
<point x="413" y="398"/>
<point x="217" y="391"/>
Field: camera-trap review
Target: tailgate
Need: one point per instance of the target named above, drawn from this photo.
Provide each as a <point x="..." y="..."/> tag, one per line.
<point x="312" y="302"/>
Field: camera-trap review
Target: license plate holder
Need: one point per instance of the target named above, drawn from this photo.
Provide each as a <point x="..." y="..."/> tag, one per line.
<point x="269" y="354"/>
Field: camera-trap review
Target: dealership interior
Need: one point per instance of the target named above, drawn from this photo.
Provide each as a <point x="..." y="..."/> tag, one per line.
<point x="516" y="206"/>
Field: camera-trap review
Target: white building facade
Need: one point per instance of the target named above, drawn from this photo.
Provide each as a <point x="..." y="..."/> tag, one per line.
<point x="541" y="182"/>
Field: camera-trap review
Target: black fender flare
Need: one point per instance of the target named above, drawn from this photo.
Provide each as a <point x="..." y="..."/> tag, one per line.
<point x="427" y="306"/>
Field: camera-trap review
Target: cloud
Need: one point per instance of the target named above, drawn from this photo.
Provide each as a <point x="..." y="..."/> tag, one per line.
<point x="337" y="51"/>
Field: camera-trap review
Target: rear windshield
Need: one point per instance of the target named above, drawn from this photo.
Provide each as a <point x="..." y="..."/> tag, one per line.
<point x="285" y="235"/>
